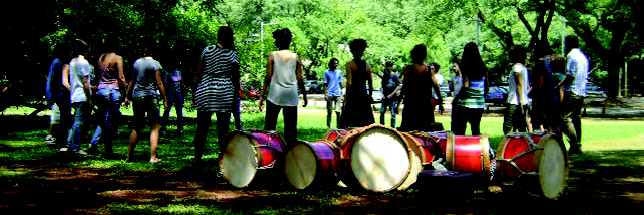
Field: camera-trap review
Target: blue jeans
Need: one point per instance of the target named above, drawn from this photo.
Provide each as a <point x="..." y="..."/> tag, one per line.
<point x="514" y="118"/>
<point x="176" y="99"/>
<point x="109" y="104"/>
<point x="236" y="109"/>
<point x="82" y="111"/>
<point x="392" y="104"/>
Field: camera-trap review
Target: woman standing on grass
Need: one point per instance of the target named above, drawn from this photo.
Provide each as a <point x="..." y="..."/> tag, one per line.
<point x="469" y="103"/>
<point x="218" y="84"/>
<point x="283" y="75"/>
<point x="145" y="81"/>
<point x="418" y="85"/>
<point x="357" y="107"/>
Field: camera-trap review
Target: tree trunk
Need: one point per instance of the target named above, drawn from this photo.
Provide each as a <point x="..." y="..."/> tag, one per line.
<point x="616" y="60"/>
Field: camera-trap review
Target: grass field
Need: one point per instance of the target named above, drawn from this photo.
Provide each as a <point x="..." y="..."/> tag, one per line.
<point x="27" y="163"/>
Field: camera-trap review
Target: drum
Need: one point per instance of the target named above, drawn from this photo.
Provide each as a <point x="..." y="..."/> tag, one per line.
<point x="377" y="158"/>
<point x="249" y="151"/>
<point x="469" y="153"/>
<point x="336" y="136"/>
<point x="535" y="162"/>
<point x="441" y="138"/>
<point x="427" y="144"/>
<point x="312" y="164"/>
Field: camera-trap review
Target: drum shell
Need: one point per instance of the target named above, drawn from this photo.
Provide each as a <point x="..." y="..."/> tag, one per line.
<point x="429" y="147"/>
<point x="327" y="156"/>
<point x="469" y="153"/>
<point x="441" y="138"/>
<point x="525" y="173"/>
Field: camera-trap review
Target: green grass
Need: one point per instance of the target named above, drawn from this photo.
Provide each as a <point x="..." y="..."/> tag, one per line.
<point x="24" y="156"/>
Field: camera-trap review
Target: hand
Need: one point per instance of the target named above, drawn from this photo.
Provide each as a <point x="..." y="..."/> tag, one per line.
<point x="390" y="96"/>
<point x="306" y="102"/>
<point x="261" y="105"/>
<point x="165" y="105"/>
<point x="441" y="109"/>
<point x="522" y="110"/>
<point x="126" y="103"/>
<point x="326" y="97"/>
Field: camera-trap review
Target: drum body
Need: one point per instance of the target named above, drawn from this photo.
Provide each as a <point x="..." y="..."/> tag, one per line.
<point x="535" y="162"/>
<point x="249" y="151"/>
<point x="336" y="136"/>
<point x="427" y="144"/>
<point x="441" y="138"/>
<point x="469" y="153"/>
<point x="377" y="158"/>
<point x="311" y="165"/>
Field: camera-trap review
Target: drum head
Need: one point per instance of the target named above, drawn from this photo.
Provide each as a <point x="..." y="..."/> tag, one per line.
<point x="300" y="166"/>
<point x="552" y="168"/>
<point x="379" y="159"/>
<point x="239" y="161"/>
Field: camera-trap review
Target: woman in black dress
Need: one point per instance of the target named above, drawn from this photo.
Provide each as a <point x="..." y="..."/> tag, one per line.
<point x="357" y="104"/>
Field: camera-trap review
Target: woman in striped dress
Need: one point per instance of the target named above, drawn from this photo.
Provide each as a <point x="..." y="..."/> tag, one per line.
<point x="470" y="100"/>
<point x="218" y="81"/>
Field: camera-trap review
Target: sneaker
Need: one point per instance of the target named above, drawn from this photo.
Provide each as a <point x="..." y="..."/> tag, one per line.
<point x="80" y="152"/>
<point x="63" y="149"/>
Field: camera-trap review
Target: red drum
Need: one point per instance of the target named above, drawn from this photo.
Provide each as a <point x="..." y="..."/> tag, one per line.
<point x="312" y="164"/>
<point x="441" y="138"/>
<point x="469" y="153"/>
<point x="336" y="136"/>
<point x="535" y="162"/>
<point x="249" y="151"/>
<point x="428" y="145"/>
<point x="378" y="158"/>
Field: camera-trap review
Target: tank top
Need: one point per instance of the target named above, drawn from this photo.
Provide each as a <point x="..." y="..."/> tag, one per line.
<point x="283" y="87"/>
<point x="109" y="76"/>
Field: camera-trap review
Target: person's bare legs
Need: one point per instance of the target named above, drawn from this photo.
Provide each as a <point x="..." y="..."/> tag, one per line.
<point x="154" y="139"/>
<point x="130" y="149"/>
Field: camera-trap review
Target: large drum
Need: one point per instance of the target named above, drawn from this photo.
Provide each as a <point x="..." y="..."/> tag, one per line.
<point x="250" y="151"/>
<point x="469" y="153"/>
<point x="312" y="164"/>
<point x="535" y="162"/>
<point x="430" y="149"/>
<point x="336" y="136"/>
<point x="378" y="158"/>
<point x="441" y="138"/>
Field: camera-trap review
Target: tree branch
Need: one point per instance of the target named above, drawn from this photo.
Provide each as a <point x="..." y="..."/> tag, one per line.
<point x="525" y="22"/>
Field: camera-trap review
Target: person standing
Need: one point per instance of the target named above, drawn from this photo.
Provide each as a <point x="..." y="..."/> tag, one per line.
<point x="58" y="89"/>
<point x="80" y="76"/>
<point x="575" y="87"/>
<point x="111" y="90"/>
<point x="390" y="83"/>
<point x="283" y="76"/>
<point x="333" y="92"/>
<point x="516" y="108"/>
<point x="172" y="83"/>
<point x="357" y="101"/>
<point x="142" y="91"/>
<point x="418" y="84"/>
<point x="217" y="84"/>
<point x="434" y="67"/>
<point x="470" y="100"/>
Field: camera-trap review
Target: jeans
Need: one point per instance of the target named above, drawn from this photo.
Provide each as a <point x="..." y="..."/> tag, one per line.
<point x="570" y="123"/>
<point x="392" y="104"/>
<point x="109" y="104"/>
<point x="290" y="120"/>
<point x="514" y="118"/>
<point x="236" y="109"/>
<point x="204" y="120"/>
<point x="61" y="98"/>
<point x="462" y="115"/>
<point x="176" y="99"/>
<point x="82" y="111"/>
<point x="333" y="104"/>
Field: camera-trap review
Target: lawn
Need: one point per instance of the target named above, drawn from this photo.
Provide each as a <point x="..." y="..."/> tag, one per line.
<point x="36" y="177"/>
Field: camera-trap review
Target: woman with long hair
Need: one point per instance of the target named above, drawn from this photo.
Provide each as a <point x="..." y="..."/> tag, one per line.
<point x="217" y="84"/>
<point x="469" y="103"/>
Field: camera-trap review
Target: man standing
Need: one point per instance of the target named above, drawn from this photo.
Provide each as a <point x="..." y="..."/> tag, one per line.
<point x="333" y="91"/>
<point x="390" y="83"/>
<point x="80" y="76"/>
<point x="575" y="84"/>
<point x="434" y="67"/>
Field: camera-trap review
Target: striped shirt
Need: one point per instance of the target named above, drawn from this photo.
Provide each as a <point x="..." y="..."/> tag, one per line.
<point x="215" y="92"/>
<point x="513" y="94"/>
<point x="474" y="95"/>
<point x="577" y="66"/>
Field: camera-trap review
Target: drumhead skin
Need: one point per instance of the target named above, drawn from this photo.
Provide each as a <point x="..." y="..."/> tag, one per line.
<point x="239" y="160"/>
<point x="553" y="170"/>
<point x="300" y="166"/>
<point x="379" y="159"/>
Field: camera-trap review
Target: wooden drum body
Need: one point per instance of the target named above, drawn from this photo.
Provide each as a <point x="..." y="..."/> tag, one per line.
<point x="378" y="158"/>
<point x="535" y="162"/>
<point x="249" y="151"/>
<point x="469" y="153"/>
<point x="336" y="136"/>
<point x="312" y="164"/>
<point x="441" y="138"/>
<point x="429" y="148"/>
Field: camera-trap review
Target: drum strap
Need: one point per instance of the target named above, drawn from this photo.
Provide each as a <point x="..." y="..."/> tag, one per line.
<point x="511" y="160"/>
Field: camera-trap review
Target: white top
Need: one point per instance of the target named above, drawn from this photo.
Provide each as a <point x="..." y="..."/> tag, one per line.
<point x="283" y="88"/>
<point x="512" y="95"/>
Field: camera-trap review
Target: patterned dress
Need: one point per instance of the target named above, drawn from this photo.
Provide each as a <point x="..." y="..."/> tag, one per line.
<point x="215" y="92"/>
